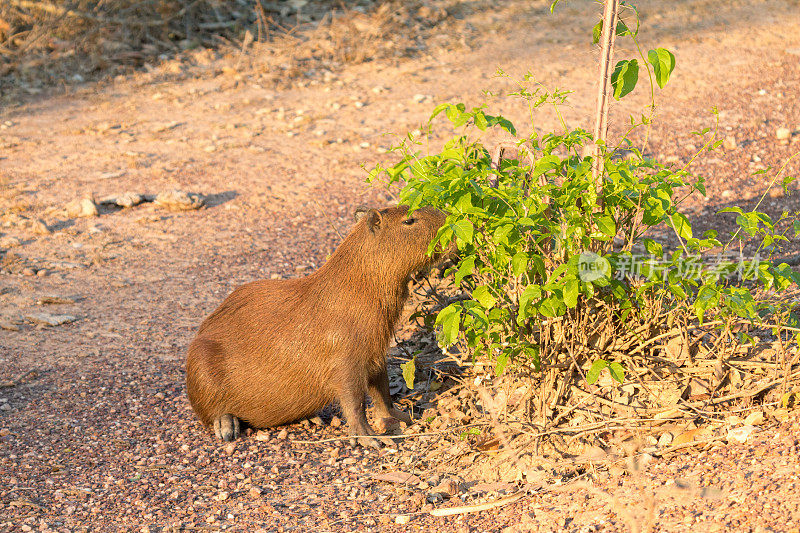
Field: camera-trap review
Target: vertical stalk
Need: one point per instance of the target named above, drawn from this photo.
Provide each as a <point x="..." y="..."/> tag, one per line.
<point x="610" y="13"/>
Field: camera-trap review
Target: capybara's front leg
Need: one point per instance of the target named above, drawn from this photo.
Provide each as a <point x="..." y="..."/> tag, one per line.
<point x="352" y="401"/>
<point x="353" y="408"/>
<point x="382" y="400"/>
<point x="226" y="427"/>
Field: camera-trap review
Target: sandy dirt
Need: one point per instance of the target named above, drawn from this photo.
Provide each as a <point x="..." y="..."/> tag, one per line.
<point x="96" y="432"/>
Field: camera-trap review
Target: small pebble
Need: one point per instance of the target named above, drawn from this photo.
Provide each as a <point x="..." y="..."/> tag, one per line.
<point x="254" y="492"/>
<point x="5" y="432"/>
<point x="729" y="143"/>
<point x="84" y="207"/>
<point x="402" y="519"/>
<point x="783" y="134"/>
<point x="283" y="434"/>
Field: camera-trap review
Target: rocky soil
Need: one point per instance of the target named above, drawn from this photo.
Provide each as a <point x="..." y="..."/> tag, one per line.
<point x="130" y="208"/>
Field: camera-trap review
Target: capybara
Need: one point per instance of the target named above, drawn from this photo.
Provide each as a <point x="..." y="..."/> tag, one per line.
<point x="276" y="351"/>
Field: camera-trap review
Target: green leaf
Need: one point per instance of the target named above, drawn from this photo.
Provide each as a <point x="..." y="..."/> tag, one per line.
<point x="617" y="372"/>
<point x="531" y="292"/>
<point x="624" y="77"/>
<point x="409" y="370"/>
<point x="450" y="320"/>
<point x="594" y="371"/>
<point x="663" y="62"/>
<point x="480" y="121"/>
<point x="597" y="31"/>
<point x="606" y="224"/>
<point x="571" y="292"/>
<point x="464" y="230"/>
<point x="501" y="362"/>
<point x="796" y="225"/>
<point x="707" y="297"/>
<point x="653" y="248"/>
<point x="482" y="295"/>
<point x="465" y="269"/>
<point x="553" y="306"/>
<point x="519" y="263"/>
<point x="682" y="226"/>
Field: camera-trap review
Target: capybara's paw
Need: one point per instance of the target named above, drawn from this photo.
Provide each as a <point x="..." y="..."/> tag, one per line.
<point x="402" y="416"/>
<point x="227" y="428"/>
<point x="387" y="423"/>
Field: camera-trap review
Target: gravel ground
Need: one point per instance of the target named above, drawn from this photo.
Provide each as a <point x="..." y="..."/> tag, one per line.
<point x="96" y="432"/>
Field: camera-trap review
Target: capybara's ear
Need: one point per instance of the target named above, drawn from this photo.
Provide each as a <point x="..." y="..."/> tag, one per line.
<point x="360" y="211"/>
<point x="374" y="220"/>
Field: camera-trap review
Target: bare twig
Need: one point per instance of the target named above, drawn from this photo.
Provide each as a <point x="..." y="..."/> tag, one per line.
<point x="406" y="436"/>
<point x="477" y="507"/>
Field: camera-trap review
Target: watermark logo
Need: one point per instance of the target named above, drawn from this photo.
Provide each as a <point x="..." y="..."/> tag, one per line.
<point x="592" y="267"/>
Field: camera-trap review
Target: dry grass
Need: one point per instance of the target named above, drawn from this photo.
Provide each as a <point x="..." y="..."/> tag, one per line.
<point x="47" y="43"/>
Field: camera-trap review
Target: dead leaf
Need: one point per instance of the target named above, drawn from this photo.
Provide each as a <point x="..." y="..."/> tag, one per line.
<point x="592" y="453"/>
<point x="489" y="444"/>
<point x="756" y="418"/>
<point x="741" y="434"/>
<point x="677" y="350"/>
<point x="691" y="436"/>
<point x="397" y="477"/>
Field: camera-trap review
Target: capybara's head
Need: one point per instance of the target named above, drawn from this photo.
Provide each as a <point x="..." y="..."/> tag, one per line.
<point x="400" y="241"/>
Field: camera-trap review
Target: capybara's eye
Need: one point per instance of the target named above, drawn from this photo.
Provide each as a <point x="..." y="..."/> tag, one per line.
<point x="409" y="221"/>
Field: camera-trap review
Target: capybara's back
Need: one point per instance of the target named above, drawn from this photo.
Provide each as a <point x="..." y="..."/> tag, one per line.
<point x="279" y="350"/>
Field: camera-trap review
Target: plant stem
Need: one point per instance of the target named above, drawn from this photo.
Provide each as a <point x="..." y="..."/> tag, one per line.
<point x="610" y="11"/>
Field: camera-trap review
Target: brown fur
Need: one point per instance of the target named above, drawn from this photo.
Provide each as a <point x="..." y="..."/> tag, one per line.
<point x="276" y="351"/>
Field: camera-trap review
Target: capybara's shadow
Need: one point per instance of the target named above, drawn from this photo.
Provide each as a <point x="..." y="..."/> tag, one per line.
<point x="219" y="198"/>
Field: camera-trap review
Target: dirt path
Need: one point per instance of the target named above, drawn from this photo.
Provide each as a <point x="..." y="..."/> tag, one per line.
<point x="95" y="429"/>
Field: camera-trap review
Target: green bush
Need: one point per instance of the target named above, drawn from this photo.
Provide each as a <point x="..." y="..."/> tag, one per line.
<point x="557" y="274"/>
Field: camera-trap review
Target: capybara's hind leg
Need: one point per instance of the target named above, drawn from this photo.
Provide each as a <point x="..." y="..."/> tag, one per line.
<point x="227" y="427"/>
